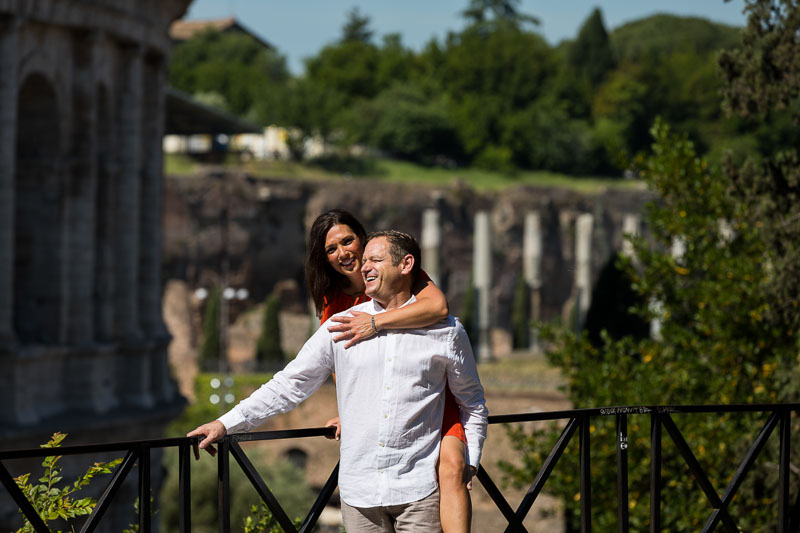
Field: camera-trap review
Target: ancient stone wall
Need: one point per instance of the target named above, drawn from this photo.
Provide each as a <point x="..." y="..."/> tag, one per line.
<point x="268" y="223"/>
<point x="82" y="340"/>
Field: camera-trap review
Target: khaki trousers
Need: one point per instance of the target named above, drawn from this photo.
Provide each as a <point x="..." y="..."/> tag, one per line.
<point x="421" y="516"/>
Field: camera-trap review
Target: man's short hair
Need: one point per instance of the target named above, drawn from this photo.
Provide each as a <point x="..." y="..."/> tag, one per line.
<point x="400" y="245"/>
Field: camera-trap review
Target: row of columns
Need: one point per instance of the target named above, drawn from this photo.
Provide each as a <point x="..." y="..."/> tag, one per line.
<point x="532" y="254"/>
<point x="110" y="240"/>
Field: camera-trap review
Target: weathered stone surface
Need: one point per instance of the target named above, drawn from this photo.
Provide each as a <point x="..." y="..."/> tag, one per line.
<point x="82" y="342"/>
<point x="269" y="221"/>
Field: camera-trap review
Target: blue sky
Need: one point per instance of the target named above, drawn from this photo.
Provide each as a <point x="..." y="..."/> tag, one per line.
<point x="299" y="28"/>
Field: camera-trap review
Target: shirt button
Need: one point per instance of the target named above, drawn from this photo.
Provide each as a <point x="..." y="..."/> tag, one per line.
<point x="387" y="387"/>
<point x="385" y="416"/>
<point x="390" y="359"/>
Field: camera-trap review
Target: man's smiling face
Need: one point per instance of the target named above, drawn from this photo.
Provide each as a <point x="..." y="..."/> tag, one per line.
<point x="383" y="279"/>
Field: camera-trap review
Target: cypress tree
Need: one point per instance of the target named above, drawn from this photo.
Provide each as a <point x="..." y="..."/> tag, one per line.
<point x="209" y="353"/>
<point x="268" y="347"/>
<point x="520" y="314"/>
<point x="591" y="54"/>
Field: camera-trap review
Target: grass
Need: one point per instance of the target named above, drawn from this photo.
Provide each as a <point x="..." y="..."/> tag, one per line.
<point x="521" y="372"/>
<point x="394" y="171"/>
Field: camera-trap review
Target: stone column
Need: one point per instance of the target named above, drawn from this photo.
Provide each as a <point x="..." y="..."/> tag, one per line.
<point x="150" y="308"/>
<point x="482" y="268"/>
<point x="134" y="372"/>
<point x="532" y="270"/>
<point x="583" y="267"/>
<point x="9" y="41"/>
<point x="630" y="228"/>
<point x="431" y="243"/>
<point x="80" y="198"/>
<point x="128" y="237"/>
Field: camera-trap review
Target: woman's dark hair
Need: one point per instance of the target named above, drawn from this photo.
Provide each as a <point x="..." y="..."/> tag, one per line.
<point x="321" y="278"/>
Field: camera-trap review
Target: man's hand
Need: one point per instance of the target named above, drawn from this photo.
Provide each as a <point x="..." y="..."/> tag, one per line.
<point x="334" y="422"/>
<point x="471" y="471"/>
<point x="356" y="328"/>
<point x="213" y="431"/>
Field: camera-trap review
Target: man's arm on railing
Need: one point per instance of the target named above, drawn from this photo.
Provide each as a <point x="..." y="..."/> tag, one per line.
<point x="299" y="380"/>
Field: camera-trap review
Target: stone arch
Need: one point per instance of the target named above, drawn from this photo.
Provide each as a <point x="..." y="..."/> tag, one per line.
<point x="38" y="287"/>
<point x="104" y="219"/>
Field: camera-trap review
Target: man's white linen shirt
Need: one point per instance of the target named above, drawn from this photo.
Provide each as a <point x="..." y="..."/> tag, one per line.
<point x="389" y="389"/>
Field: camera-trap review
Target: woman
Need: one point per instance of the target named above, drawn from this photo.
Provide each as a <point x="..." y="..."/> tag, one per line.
<point x="333" y="274"/>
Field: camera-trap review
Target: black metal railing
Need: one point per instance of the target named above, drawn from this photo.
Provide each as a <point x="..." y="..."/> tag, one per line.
<point x="577" y="421"/>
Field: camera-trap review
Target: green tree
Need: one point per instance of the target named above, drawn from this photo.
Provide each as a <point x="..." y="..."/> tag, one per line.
<point x="487" y="15"/>
<point x="520" y="314"/>
<point x="489" y="77"/>
<point x="356" y="28"/>
<point x="761" y="87"/>
<point x="720" y="344"/>
<point x="591" y="54"/>
<point x="209" y="354"/>
<point x="268" y="346"/>
<point x="404" y="123"/>
<point x="232" y="65"/>
<point x="347" y="67"/>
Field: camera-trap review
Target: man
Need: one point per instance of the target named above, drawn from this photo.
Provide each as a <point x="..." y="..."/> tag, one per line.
<point x="389" y="390"/>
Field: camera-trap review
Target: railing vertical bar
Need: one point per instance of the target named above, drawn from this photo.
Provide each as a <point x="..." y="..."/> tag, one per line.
<point x="111" y="490"/>
<point x="794" y="520"/>
<point x="323" y="498"/>
<point x="655" y="473"/>
<point x="261" y="487"/>
<point x="24" y="504"/>
<point x="783" y="474"/>
<point x="586" y="476"/>
<point x="224" y="486"/>
<point x="622" y="473"/>
<point x="184" y="489"/>
<point x="144" y="490"/>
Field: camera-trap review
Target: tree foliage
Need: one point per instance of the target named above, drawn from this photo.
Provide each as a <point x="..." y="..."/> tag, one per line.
<point x="719" y="344"/>
<point x="234" y="66"/>
<point x="591" y="54"/>
<point x="726" y="304"/>
<point x="55" y="503"/>
<point x="209" y="354"/>
<point x="268" y="346"/>
<point x="494" y="94"/>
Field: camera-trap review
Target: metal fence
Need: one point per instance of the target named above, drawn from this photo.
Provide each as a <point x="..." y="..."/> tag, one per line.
<point x="577" y="421"/>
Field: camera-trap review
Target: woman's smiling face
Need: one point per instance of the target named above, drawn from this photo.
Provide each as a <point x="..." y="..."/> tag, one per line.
<point x="343" y="250"/>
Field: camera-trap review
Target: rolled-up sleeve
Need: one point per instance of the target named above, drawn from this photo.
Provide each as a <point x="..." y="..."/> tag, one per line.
<point x="464" y="383"/>
<point x="288" y="388"/>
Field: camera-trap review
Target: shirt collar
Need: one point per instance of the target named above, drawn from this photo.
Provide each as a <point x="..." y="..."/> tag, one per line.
<point x="379" y="308"/>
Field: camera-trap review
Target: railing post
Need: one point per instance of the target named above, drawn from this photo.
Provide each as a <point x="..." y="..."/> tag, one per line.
<point x="184" y="489"/>
<point x="655" y="472"/>
<point x="144" y="490"/>
<point x="783" y="474"/>
<point x="586" y="477"/>
<point x="224" y="486"/>
<point x="622" y="473"/>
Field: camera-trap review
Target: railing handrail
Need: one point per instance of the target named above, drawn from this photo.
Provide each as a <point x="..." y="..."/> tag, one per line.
<point x="578" y="421"/>
<point x="536" y="416"/>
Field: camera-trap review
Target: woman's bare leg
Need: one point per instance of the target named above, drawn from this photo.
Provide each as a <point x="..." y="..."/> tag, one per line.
<point x="455" y="505"/>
